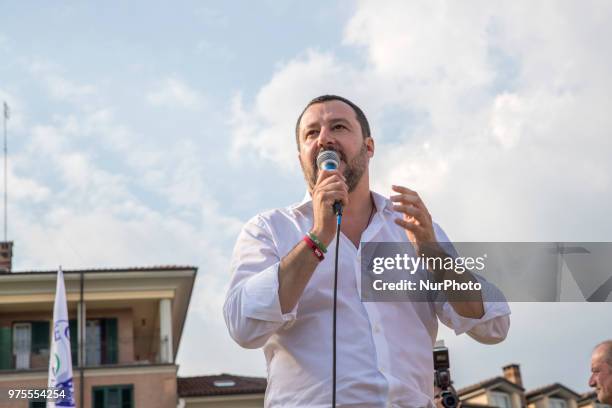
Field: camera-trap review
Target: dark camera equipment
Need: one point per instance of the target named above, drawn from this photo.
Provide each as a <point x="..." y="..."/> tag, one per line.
<point x="442" y="378"/>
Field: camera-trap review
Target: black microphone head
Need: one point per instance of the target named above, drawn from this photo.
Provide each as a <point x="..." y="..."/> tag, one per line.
<point x="328" y="160"/>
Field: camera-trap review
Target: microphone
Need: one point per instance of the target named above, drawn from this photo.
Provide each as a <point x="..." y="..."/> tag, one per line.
<point x="329" y="160"/>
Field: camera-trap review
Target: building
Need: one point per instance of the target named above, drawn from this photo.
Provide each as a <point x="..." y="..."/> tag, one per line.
<point x="507" y="392"/>
<point x="554" y="396"/>
<point x="125" y="326"/>
<point x="503" y="391"/>
<point x="589" y="400"/>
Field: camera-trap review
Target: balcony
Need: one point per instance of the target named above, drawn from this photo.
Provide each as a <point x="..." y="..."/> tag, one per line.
<point x="130" y="335"/>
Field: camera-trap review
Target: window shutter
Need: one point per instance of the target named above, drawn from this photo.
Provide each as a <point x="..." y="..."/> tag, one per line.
<point x="6" y="348"/>
<point x="74" y="341"/>
<point x="127" y="398"/>
<point x="110" y="341"/>
<point x="40" y="337"/>
<point x="98" y="398"/>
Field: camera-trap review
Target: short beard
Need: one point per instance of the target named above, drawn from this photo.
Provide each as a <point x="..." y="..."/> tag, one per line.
<point x="352" y="173"/>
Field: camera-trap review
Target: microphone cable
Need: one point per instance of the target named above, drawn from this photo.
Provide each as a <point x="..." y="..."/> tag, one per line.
<point x="339" y="215"/>
<point x="338" y="211"/>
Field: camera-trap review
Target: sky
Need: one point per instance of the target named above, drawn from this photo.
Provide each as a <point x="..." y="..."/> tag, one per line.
<point x="145" y="133"/>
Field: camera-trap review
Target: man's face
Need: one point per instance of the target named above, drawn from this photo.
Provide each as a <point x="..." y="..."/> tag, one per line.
<point x="333" y="125"/>
<point x="601" y="377"/>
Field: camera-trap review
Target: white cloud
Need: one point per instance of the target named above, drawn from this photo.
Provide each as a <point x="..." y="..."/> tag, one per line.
<point x="431" y="41"/>
<point x="80" y="179"/>
<point x="174" y="93"/>
<point x="104" y="237"/>
<point x="514" y="105"/>
<point x="267" y="129"/>
<point x="46" y="139"/>
<point x="23" y="188"/>
<point x="60" y="87"/>
<point x="63" y="89"/>
<point x="507" y="119"/>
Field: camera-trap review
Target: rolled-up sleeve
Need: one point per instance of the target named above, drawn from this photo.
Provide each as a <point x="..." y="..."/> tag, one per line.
<point x="252" y="307"/>
<point x="493" y="326"/>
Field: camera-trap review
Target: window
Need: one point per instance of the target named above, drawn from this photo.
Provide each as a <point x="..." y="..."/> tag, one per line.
<point x="500" y="399"/>
<point x="557" y="403"/>
<point x="31" y="341"/>
<point x="101" y="341"/>
<point x="113" y="396"/>
<point x="22" y="342"/>
<point x="93" y="343"/>
<point x="24" y="345"/>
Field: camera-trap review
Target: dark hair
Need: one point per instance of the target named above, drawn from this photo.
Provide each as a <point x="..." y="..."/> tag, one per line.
<point x="361" y="118"/>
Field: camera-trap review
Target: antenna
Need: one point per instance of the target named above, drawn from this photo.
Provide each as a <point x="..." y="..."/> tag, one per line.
<point x="6" y="117"/>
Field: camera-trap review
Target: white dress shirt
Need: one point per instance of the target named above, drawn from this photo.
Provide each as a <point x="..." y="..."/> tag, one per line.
<point x="384" y="349"/>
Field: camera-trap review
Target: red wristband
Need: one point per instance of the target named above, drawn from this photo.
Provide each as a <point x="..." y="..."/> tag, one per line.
<point x="315" y="249"/>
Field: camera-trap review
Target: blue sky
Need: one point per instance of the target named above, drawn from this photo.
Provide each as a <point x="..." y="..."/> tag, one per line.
<point x="144" y="133"/>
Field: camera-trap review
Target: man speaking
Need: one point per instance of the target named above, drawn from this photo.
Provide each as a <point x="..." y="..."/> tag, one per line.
<point x="282" y="288"/>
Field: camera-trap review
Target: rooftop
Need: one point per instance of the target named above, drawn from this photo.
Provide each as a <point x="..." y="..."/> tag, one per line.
<point x="222" y="384"/>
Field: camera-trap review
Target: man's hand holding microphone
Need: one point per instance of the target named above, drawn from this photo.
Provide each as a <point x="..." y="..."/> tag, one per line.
<point x="329" y="190"/>
<point x="329" y="194"/>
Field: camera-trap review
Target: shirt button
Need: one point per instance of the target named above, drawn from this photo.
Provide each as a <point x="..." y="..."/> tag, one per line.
<point x="376" y="328"/>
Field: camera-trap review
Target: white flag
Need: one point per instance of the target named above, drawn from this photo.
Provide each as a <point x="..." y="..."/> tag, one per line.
<point x="60" y="361"/>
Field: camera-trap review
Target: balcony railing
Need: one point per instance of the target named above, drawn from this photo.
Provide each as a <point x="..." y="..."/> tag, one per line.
<point x="145" y="350"/>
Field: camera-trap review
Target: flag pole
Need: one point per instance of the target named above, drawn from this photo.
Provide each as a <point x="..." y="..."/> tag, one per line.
<point x="60" y="361"/>
<point x="81" y="329"/>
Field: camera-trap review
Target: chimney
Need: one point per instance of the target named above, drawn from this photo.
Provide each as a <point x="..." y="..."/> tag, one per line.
<point x="512" y="373"/>
<point x="6" y="256"/>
